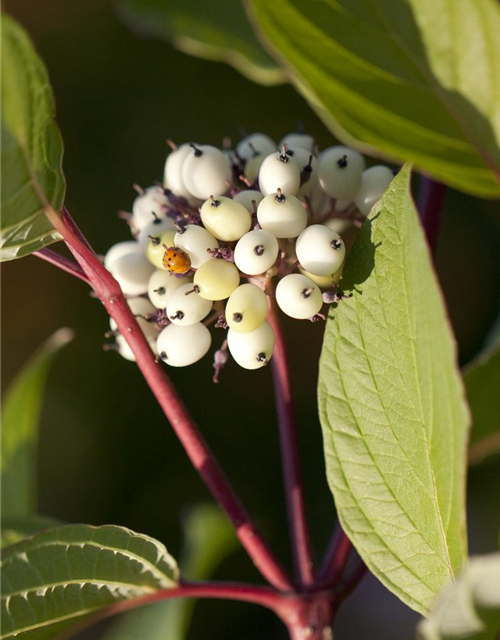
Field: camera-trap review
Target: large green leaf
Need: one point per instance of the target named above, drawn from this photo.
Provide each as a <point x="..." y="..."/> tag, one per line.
<point x="20" y="417"/>
<point x="416" y="79"/>
<point x="32" y="151"/>
<point x="56" y="578"/>
<point x="209" y="539"/>
<point x="482" y="382"/>
<point x="469" y="609"/>
<point x="392" y="408"/>
<point x="216" y="30"/>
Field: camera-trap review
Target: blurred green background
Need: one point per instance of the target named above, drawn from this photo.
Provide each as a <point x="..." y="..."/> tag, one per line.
<point x="107" y="454"/>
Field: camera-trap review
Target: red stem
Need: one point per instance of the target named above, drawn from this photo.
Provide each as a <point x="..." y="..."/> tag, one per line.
<point x="430" y="204"/>
<point x="110" y="294"/>
<point x="292" y="476"/>
<point x="263" y="596"/>
<point x="335" y="558"/>
<point x="351" y="582"/>
<point x="62" y="262"/>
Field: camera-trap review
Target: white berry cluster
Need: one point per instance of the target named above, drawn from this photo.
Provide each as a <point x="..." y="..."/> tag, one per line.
<point x="229" y="228"/>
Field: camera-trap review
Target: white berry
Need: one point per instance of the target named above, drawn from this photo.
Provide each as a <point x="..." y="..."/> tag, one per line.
<point x="155" y="247"/>
<point x="206" y="171"/>
<point x="126" y="352"/>
<point x="216" y="279"/>
<point x="150" y="203"/>
<point x="252" y="167"/>
<point x="252" y="350"/>
<point x="186" y="307"/>
<point x="247" y="197"/>
<point x="298" y="296"/>
<point x="197" y="242"/>
<point x="255" y="143"/>
<point x="225" y="218"/>
<point x="256" y="252"/>
<point x="173" y="171"/>
<point x="340" y="173"/>
<point x="308" y="165"/>
<point x="182" y="346"/>
<point x="162" y="285"/>
<point x="279" y="171"/>
<point x="132" y="271"/>
<point x="246" y="308"/>
<point x="282" y="214"/>
<point x="375" y="181"/>
<point x="154" y="229"/>
<point x="119" y="250"/>
<point x="300" y="141"/>
<point x="320" y="250"/>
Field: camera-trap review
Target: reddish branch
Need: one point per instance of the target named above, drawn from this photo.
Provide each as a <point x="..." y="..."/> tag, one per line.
<point x="63" y="263"/>
<point x="335" y="558"/>
<point x="111" y="296"/>
<point x="292" y="476"/>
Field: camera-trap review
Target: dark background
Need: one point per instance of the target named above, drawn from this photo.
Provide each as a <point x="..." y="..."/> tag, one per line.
<point x="107" y="454"/>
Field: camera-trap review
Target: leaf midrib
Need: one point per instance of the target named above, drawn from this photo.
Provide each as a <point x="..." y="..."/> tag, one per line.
<point x="64" y="583"/>
<point x="124" y="552"/>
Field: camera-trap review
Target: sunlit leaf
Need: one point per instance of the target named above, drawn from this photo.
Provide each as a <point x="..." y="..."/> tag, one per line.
<point x="392" y="408"/>
<point x="415" y="79"/>
<point x="32" y="151"/>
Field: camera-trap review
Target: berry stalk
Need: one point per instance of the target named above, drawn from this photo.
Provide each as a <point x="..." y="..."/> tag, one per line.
<point x="202" y="458"/>
<point x="292" y="475"/>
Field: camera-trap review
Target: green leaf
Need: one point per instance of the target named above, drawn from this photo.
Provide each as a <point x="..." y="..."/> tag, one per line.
<point x="31" y="148"/>
<point x="15" y="530"/>
<point x="415" y="79"/>
<point x="482" y="382"/>
<point x="469" y="609"/>
<point x="59" y="577"/>
<point x="392" y="409"/>
<point x="209" y="540"/>
<point x="21" y="408"/>
<point x="216" y="30"/>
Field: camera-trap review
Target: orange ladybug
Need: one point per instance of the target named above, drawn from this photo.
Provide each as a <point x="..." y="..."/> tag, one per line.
<point x="176" y="260"/>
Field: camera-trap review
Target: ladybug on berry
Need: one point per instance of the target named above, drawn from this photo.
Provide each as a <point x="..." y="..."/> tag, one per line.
<point x="176" y="260"/>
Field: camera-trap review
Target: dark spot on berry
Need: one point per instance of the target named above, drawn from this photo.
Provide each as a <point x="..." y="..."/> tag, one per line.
<point x="336" y="244"/>
<point x="237" y="317"/>
<point x="261" y="357"/>
<point x="342" y="162"/>
<point x="259" y="250"/>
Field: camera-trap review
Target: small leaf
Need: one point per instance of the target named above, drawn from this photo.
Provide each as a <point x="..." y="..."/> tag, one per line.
<point x="32" y="151"/>
<point x="216" y="30"/>
<point x="58" y="577"/>
<point x="209" y="539"/>
<point x="469" y="609"/>
<point x="16" y="530"/>
<point x="482" y="382"/>
<point x="21" y="408"/>
<point x="414" y="79"/>
<point x="392" y="408"/>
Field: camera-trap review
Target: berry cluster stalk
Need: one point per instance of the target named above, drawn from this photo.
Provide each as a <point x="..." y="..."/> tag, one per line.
<point x="308" y="608"/>
<point x="110" y="294"/>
